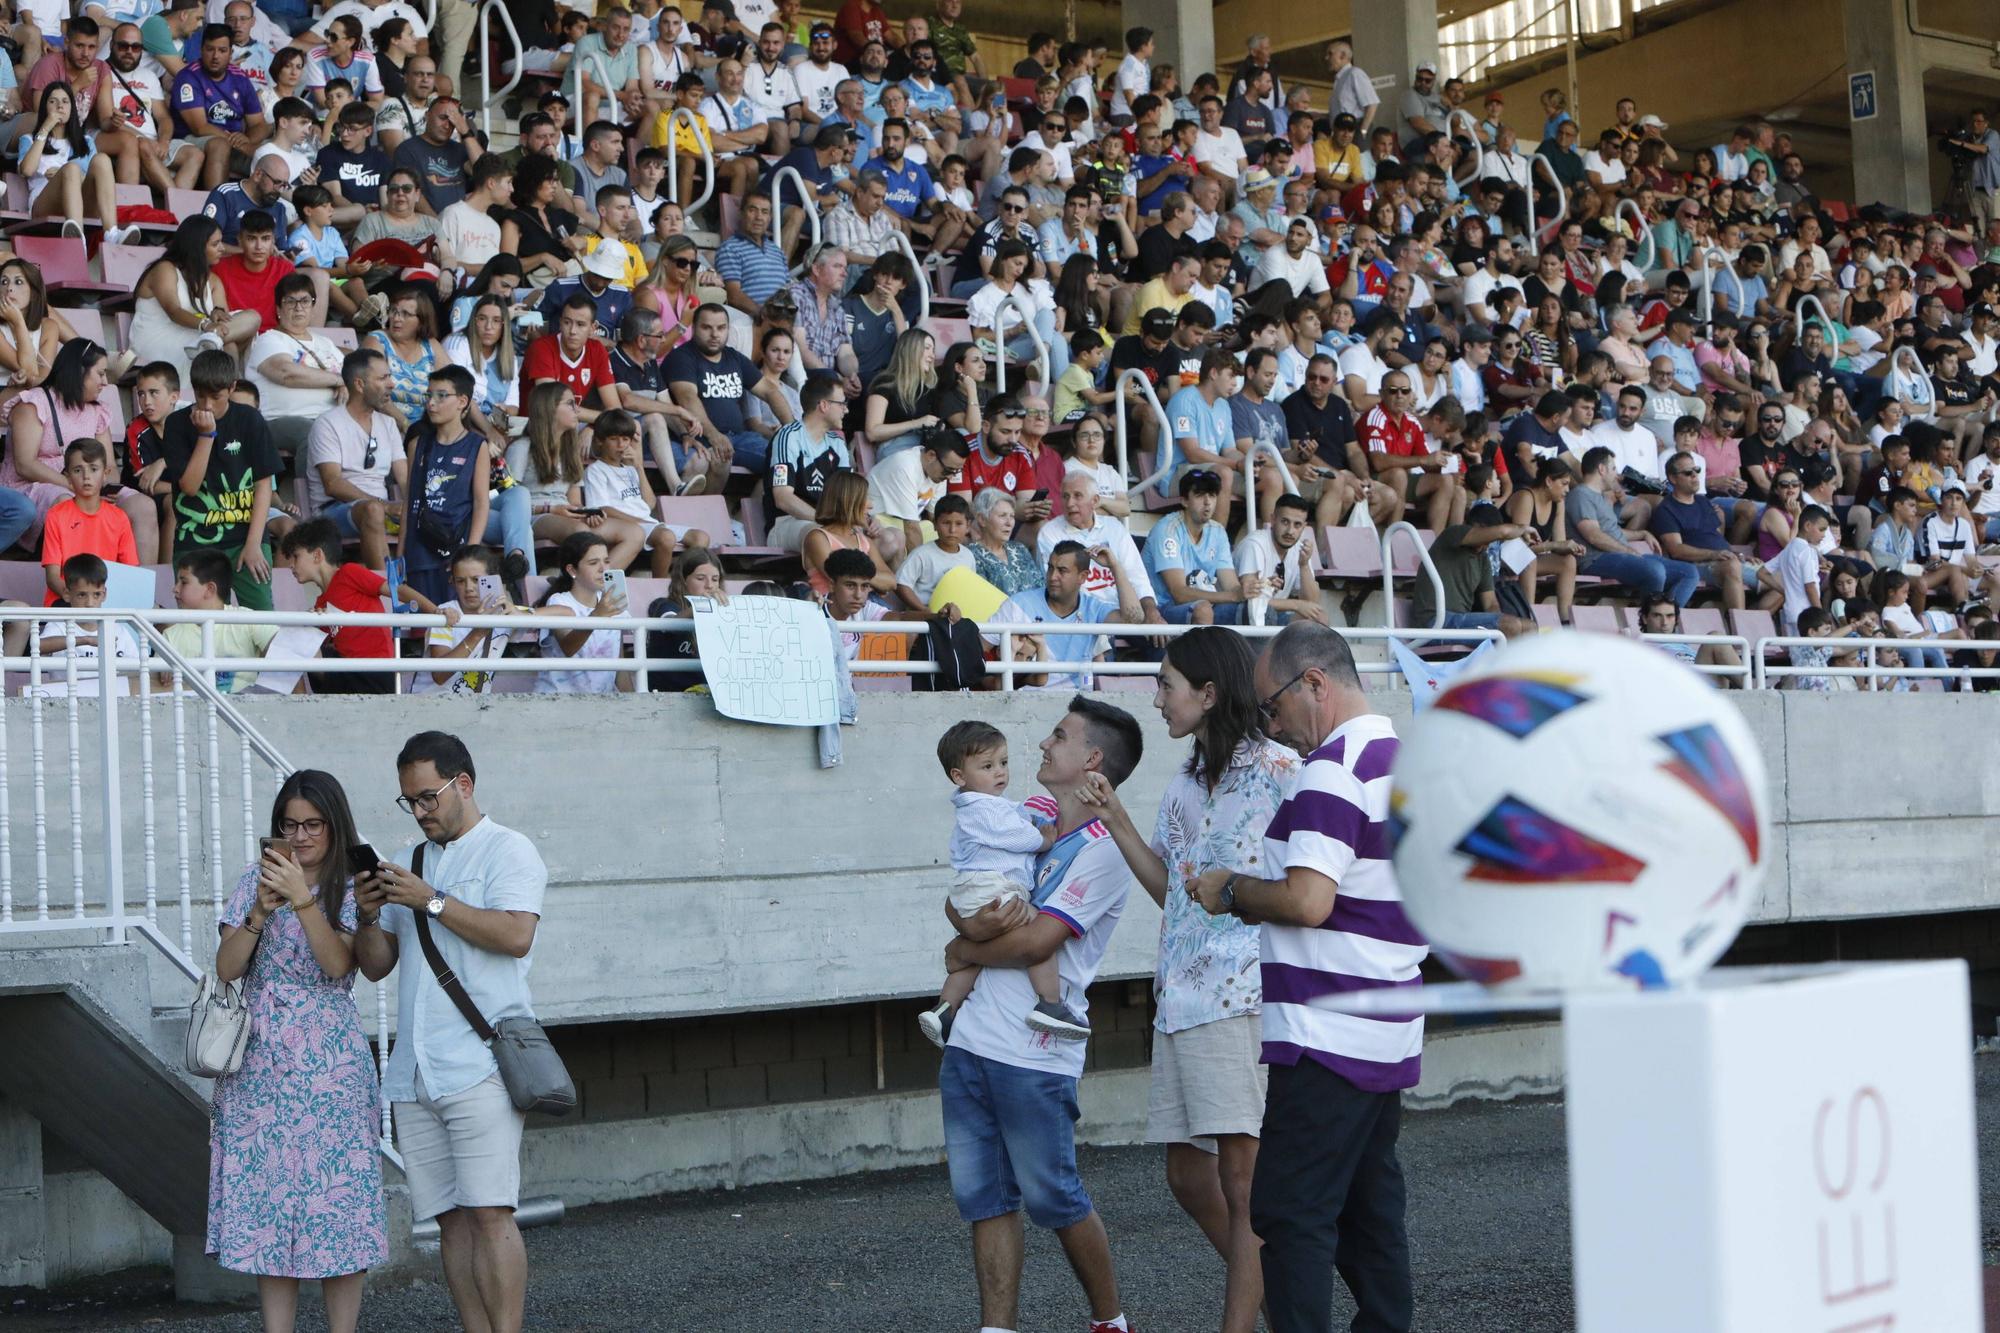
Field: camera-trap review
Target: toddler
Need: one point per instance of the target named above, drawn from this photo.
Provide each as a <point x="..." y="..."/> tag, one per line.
<point x="993" y="846"/>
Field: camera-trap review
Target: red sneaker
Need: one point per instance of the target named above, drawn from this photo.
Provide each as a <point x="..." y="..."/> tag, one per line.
<point x="1096" y="1327"/>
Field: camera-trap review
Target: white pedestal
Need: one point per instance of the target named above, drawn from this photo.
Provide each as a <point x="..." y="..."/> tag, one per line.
<point x="1776" y="1152"/>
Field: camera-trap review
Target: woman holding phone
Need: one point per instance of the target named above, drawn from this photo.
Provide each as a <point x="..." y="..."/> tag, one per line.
<point x="295" y="1167"/>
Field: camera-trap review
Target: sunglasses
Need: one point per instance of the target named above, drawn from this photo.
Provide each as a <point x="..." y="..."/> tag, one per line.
<point x="1684" y="472"/>
<point x="682" y="262"/>
<point x="402" y="189"/>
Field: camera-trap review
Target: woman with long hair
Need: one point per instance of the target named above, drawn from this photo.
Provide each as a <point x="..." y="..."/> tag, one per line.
<point x="670" y="290"/>
<point x="844" y="521"/>
<point x="962" y="391"/>
<point x="500" y="276"/>
<point x="697" y="573"/>
<point x="486" y="348"/>
<point x="1208" y="1025"/>
<point x="1548" y="336"/>
<point x="898" y="408"/>
<point x="1541" y="507"/>
<point x="58" y="151"/>
<point x="295" y="1162"/>
<point x="551" y="461"/>
<point x="1780" y="520"/>
<point x="64" y="408"/>
<point x="1079" y="305"/>
<point x="31" y="330"/>
<point x="182" y="303"/>
<point x="995" y="310"/>
<point x="578" y="592"/>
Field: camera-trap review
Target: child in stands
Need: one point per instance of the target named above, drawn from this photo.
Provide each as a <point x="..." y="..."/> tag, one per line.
<point x="614" y="482"/>
<point x="84" y="523"/>
<point x="202" y="580"/>
<point x="313" y="552"/>
<point x="993" y="847"/>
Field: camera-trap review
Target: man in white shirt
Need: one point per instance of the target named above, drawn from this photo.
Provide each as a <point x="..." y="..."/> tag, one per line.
<point x="1080" y="522"/>
<point x="1218" y="150"/>
<point x="910" y="483"/>
<point x="466" y="230"/>
<point x="768" y="82"/>
<point x="1497" y="271"/>
<point x="1135" y="72"/>
<point x="139" y="107"/>
<point x="1982" y="475"/>
<point x="818" y="76"/>
<point x="354" y="452"/>
<point x="1282" y="556"/>
<point x="1296" y="261"/>
<point x="1631" y="444"/>
<point x="917" y="577"/>
<point x="296" y="371"/>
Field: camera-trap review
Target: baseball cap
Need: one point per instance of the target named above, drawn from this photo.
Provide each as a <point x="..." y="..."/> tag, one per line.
<point x="1344" y="121"/>
<point x="1333" y="213"/>
<point x="1651" y="122"/>
<point x="1723" y="319"/>
<point x="833" y="136"/>
<point x="1927" y="270"/>
<point x="1476" y="333"/>
<point x="1159" y="321"/>
<point x="1953" y="484"/>
<point x="1984" y="309"/>
<point x="1427" y="66"/>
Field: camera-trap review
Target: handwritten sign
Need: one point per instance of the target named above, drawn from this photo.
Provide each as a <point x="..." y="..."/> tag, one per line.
<point x="768" y="659"/>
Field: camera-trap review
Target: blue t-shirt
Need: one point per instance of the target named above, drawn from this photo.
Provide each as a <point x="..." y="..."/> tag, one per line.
<point x="1031" y="606"/>
<point x="1263" y="422"/>
<point x="1697" y="522"/>
<point x="613" y="304"/>
<point x="228" y="202"/>
<point x="938" y="97"/>
<point x="1193" y="417"/>
<point x="723" y="385"/>
<point x="1200" y="559"/>
<point x="1145" y="165"/>
<point x="807" y="162"/>
<point x="327" y="250"/>
<point x="909" y="189"/>
<point x="227" y="102"/>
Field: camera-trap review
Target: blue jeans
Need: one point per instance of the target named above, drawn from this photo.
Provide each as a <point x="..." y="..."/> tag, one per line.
<point x="1920" y="656"/>
<point x="752" y="451"/>
<point x="1022" y="348"/>
<point x="1471" y="620"/>
<point x="511" y="526"/>
<point x="1649" y="574"/>
<point x="17" y="515"/>
<point x="1993" y="529"/>
<point x="1010" y="1137"/>
<point x="1181" y="613"/>
<point x="965" y="288"/>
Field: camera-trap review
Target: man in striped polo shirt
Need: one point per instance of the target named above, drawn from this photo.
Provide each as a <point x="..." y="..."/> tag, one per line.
<point x="1328" y="1191"/>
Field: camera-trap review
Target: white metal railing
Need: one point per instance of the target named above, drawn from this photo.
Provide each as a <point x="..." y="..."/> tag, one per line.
<point x="595" y="62"/>
<point x="1646" y="248"/>
<point x="1734" y="642"/>
<point x="699" y="131"/>
<point x="1478" y="154"/>
<point x="1764" y="671"/>
<point x="1018" y="298"/>
<point x="1562" y="202"/>
<point x="902" y="242"/>
<point x="1712" y="261"/>
<point x="1826" y="322"/>
<point x="1423" y="562"/>
<point x="1134" y="375"/>
<point x="487" y="93"/>
<point x="807" y="201"/>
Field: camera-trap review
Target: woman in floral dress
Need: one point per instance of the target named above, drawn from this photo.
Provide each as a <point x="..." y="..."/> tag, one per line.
<point x="295" y="1176"/>
<point x="1206" y="1102"/>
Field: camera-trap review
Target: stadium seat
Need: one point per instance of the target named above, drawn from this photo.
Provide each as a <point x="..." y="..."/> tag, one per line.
<point x="346" y="339"/>
<point x="185" y="204"/>
<point x="1707" y="620"/>
<point x="87" y="322"/>
<point x="1546" y="616"/>
<point x="1350" y="553"/>
<point x="124" y="265"/>
<point x="65" y="265"/>
<point x="22" y="581"/>
<point x="287" y="593"/>
<point x="1754" y="625"/>
<point x="1596" y="619"/>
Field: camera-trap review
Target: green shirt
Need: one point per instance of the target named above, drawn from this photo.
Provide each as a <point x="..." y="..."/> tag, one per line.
<point x="158" y="38"/>
<point x="217" y="516"/>
<point x="565" y="173"/>
<point x="954" y="45"/>
<point x="1464" y="571"/>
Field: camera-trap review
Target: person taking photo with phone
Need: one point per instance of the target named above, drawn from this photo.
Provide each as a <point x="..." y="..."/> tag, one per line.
<point x="295" y="1163"/>
<point x="479" y="887"/>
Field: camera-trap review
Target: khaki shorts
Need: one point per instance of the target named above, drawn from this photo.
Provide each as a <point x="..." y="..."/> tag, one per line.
<point x="1207" y="1081"/>
<point x="462" y="1151"/>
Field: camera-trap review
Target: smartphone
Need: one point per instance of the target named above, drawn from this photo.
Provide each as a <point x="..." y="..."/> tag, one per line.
<point x="266" y="846"/>
<point x="593" y="511"/>
<point x="490" y="588"/>
<point x="1036" y="495"/>
<point x="362" y="860"/>
<point x="614" y="585"/>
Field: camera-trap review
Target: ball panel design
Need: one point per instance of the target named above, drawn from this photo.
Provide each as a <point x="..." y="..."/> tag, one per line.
<point x="1518" y="844"/>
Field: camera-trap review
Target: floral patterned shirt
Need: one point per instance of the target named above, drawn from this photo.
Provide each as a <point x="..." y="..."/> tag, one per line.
<point x="1208" y="964"/>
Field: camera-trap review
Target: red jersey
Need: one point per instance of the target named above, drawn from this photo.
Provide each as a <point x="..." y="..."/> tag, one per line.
<point x="863" y="16"/>
<point x="68" y="531"/>
<point x="358" y="588"/>
<point x="1398" y="436"/>
<point x="584" y="376"/>
<point x="254" y="291"/>
<point x="1012" y="473"/>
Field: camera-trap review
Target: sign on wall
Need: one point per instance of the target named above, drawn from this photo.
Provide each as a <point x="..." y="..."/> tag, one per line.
<point x="768" y="659"/>
<point x="1861" y="95"/>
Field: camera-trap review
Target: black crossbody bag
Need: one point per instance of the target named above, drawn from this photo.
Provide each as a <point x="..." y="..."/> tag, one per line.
<point x="534" y="1075"/>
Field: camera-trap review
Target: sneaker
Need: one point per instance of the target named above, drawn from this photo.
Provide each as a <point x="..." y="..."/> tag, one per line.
<point x="208" y="342"/>
<point x="373" y="310"/>
<point x="69" y="223"/>
<point x="1059" y="1021"/>
<point x="935" y="1024"/>
<point x="694" y="485"/>
<point x="117" y="235"/>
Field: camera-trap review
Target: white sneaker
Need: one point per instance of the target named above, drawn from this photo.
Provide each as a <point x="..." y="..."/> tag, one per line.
<point x="69" y="223"/>
<point x="117" y="235"/>
<point x="208" y="342"/>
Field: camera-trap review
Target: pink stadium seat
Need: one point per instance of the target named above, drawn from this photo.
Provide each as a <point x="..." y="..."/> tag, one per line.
<point x="1708" y="620"/>
<point x="123" y="265"/>
<point x="287" y="593"/>
<point x="185" y="204"/>
<point x="1753" y="625"/>
<point x="346" y="339"/>
<point x="1404" y="555"/>
<point x="1546" y="617"/>
<point x="1596" y="619"/>
<point x="1351" y="553"/>
<point x="87" y="323"/>
<point x="64" y="262"/>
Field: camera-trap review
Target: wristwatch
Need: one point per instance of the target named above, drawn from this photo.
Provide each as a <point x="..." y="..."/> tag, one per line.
<point x="1229" y="895"/>
<point x="435" y="907"/>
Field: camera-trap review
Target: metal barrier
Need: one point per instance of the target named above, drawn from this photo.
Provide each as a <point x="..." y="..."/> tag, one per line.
<point x="1562" y="202"/>
<point x="1134" y="375"/>
<point x="1478" y="148"/>
<point x="1709" y="268"/>
<point x="902" y="242"/>
<point x="1018" y="298"/>
<point x="1650" y="250"/>
<point x="700" y="133"/>
<point x="1735" y="642"/>
<point x="487" y="93"/>
<point x="1826" y="322"/>
<point x="1389" y="574"/>
<point x="1764" y="671"/>
<point x="577" y="64"/>
<point x="806" y="201"/>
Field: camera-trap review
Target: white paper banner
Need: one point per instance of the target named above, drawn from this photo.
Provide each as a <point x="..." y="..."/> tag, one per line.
<point x="768" y="659"/>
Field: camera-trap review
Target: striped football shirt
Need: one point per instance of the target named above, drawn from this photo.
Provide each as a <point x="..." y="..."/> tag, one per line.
<point x="1336" y="822"/>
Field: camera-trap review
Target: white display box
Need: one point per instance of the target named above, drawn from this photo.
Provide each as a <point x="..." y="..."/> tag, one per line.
<point x="1776" y="1151"/>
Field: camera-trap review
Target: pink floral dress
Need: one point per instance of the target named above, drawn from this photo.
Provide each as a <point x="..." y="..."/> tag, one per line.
<point x="295" y="1167"/>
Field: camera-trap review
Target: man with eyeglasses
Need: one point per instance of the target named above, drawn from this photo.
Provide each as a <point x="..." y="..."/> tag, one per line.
<point x="354" y="454"/>
<point x="1689" y="527"/>
<point x="804" y="457"/>
<point x="262" y="191"/>
<point x="350" y="167"/>
<point x="1397" y="447"/>
<point x="480" y="889"/>
<point x="1629" y="555"/>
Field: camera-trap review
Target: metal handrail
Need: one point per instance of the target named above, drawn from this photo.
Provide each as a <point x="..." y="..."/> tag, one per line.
<point x="1562" y="202"/>
<point x="577" y="63"/>
<point x="1423" y="561"/>
<point x="1799" y="321"/>
<point x="1478" y="148"/>
<point x="487" y="94"/>
<point x="699" y="129"/>
<point x="1133" y="374"/>
<point x="1762" y="671"/>
<point x="1708" y="271"/>
<point x="807" y="201"/>
<point x="1250" y="482"/>
<point x="902" y="242"/>
<point x="1018" y="298"/>
<point x="1735" y="641"/>
<point x="1008" y="666"/>
<point x="1643" y="233"/>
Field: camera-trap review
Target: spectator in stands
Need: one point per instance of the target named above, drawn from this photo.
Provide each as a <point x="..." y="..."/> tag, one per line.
<point x="84" y="525"/>
<point x="64" y="408"/>
<point x="1660" y="614"/>
<point x="31" y="331"/>
<point x="296" y="371"/>
<point x="713" y="382"/>
<point x="1397" y="449"/>
<point x="906" y="486"/>
<point x="1281" y="554"/>
<point x="441" y="155"/>
<point x="470" y="569"/>
<point x="447" y="501"/>
<point x="1003" y="562"/>
<point x="313" y="553"/>
<point x="1631" y="556"/>
<point x="996" y="311"/>
<point x="1080" y="522"/>
<point x="1060" y="599"/>
<point x="354" y="454"/>
<point x="179" y="292"/>
<point x="1542" y="508"/>
<point x="217" y="107"/>
<point x="615" y="484"/>
<point x="295" y="1187"/>
<point x="899" y="409"/>
<point x="918" y="574"/>
<point x="1689" y="527"/>
<point x="581" y="592"/>
<point x="554" y="466"/>
<point x="408" y="343"/>
<point x="1203" y="433"/>
<point x="250" y="276"/>
<point x="804" y="457"/>
<point x="752" y="265"/>
<point x="1466" y="568"/>
<point x="486" y="348"/>
<point x="821" y="328"/>
<point x="697" y="573"/>
<point x="841" y="521"/>
<point x="1188" y="558"/>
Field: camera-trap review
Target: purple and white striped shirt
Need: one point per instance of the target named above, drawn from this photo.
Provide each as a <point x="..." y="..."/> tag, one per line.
<point x="1336" y="822"/>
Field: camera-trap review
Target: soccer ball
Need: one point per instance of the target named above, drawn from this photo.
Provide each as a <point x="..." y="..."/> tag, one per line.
<point x="1581" y="811"/>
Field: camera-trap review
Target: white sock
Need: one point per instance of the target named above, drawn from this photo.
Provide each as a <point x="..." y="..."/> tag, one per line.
<point x="1115" y="1321"/>
<point x="991" y="1328"/>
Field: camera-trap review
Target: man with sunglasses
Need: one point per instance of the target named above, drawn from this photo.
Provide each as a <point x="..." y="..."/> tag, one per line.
<point x="1689" y="527"/>
<point x="354" y="454"/>
<point x="480" y="889"/>
<point x="139" y="107"/>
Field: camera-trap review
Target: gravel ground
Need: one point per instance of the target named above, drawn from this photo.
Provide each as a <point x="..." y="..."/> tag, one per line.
<point x="1488" y="1220"/>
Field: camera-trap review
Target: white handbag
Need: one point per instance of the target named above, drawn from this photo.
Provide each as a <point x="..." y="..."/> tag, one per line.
<point x="218" y="1028"/>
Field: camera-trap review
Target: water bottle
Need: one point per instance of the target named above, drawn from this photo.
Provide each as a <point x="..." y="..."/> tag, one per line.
<point x="393" y="573"/>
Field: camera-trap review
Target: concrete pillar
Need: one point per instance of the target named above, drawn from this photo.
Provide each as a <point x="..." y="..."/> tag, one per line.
<point x="1391" y="38"/>
<point x="23" y="1216"/>
<point x="1183" y="36"/>
<point x="1892" y="152"/>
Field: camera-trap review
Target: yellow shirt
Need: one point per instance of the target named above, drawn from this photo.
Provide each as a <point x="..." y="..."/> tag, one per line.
<point x="1155" y="295"/>
<point x="686" y="140"/>
<point x="1343" y="164"/>
<point x="636" y="271"/>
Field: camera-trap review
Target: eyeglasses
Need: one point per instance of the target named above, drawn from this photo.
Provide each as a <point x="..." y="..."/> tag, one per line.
<point x="312" y="828"/>
<point x="1038" y="411"/>
<point x="297" y="302"/>
<point x="1387" y="390"/>
<point x="683" y="263"/>
<point x="1269" y="707"/>
<point x="402" y="189"/>
<point x="1787" y="485"/>
<point x="128" y="46"/>
<point x="423" y="801"/>
<point x="440" y="395"/>
<point x="1684" y="472"/>
<point x="368" y="455"/>
<point x="1013" y="208"/>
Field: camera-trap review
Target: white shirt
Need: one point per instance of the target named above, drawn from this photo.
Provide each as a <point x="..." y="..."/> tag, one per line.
<point x="1637" y="448"/>
<point x="1109" y="482"/>
<point x="816" y="85"/>
<point x="133" y="97"/>
<point x="772" y="91"/>
<point x="371" y="18"/>
<point x="922" y="568"/>
<point x="338" y="438"/>
<point x="900" y="490"/>
<point x="993" y="835"/>
<point x="1982" y="471"/>
<point x="1480" y="286"/>
<point x="1258" y="554"/>
<point x="490" y="867"/>
<point x="601" y="645"/>
<point x="466" y="682"/>
<point x="1985" y="358"/>
<point x="298" y="159"/>
<point x="1797" y="567"/>
<point x="1135" y="79"/>
<point x="1223" y="149"/>
<point x="283" y="400"/>
<point x="990" y="308"/>
<point x="1305" y="273"/>
<point x="1109" y="532"/>
<point x="1467" y="386"/>
<point x="470" y="235"/>
<point x="1612" y="172"/>
<point x="1363" y="364"/>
